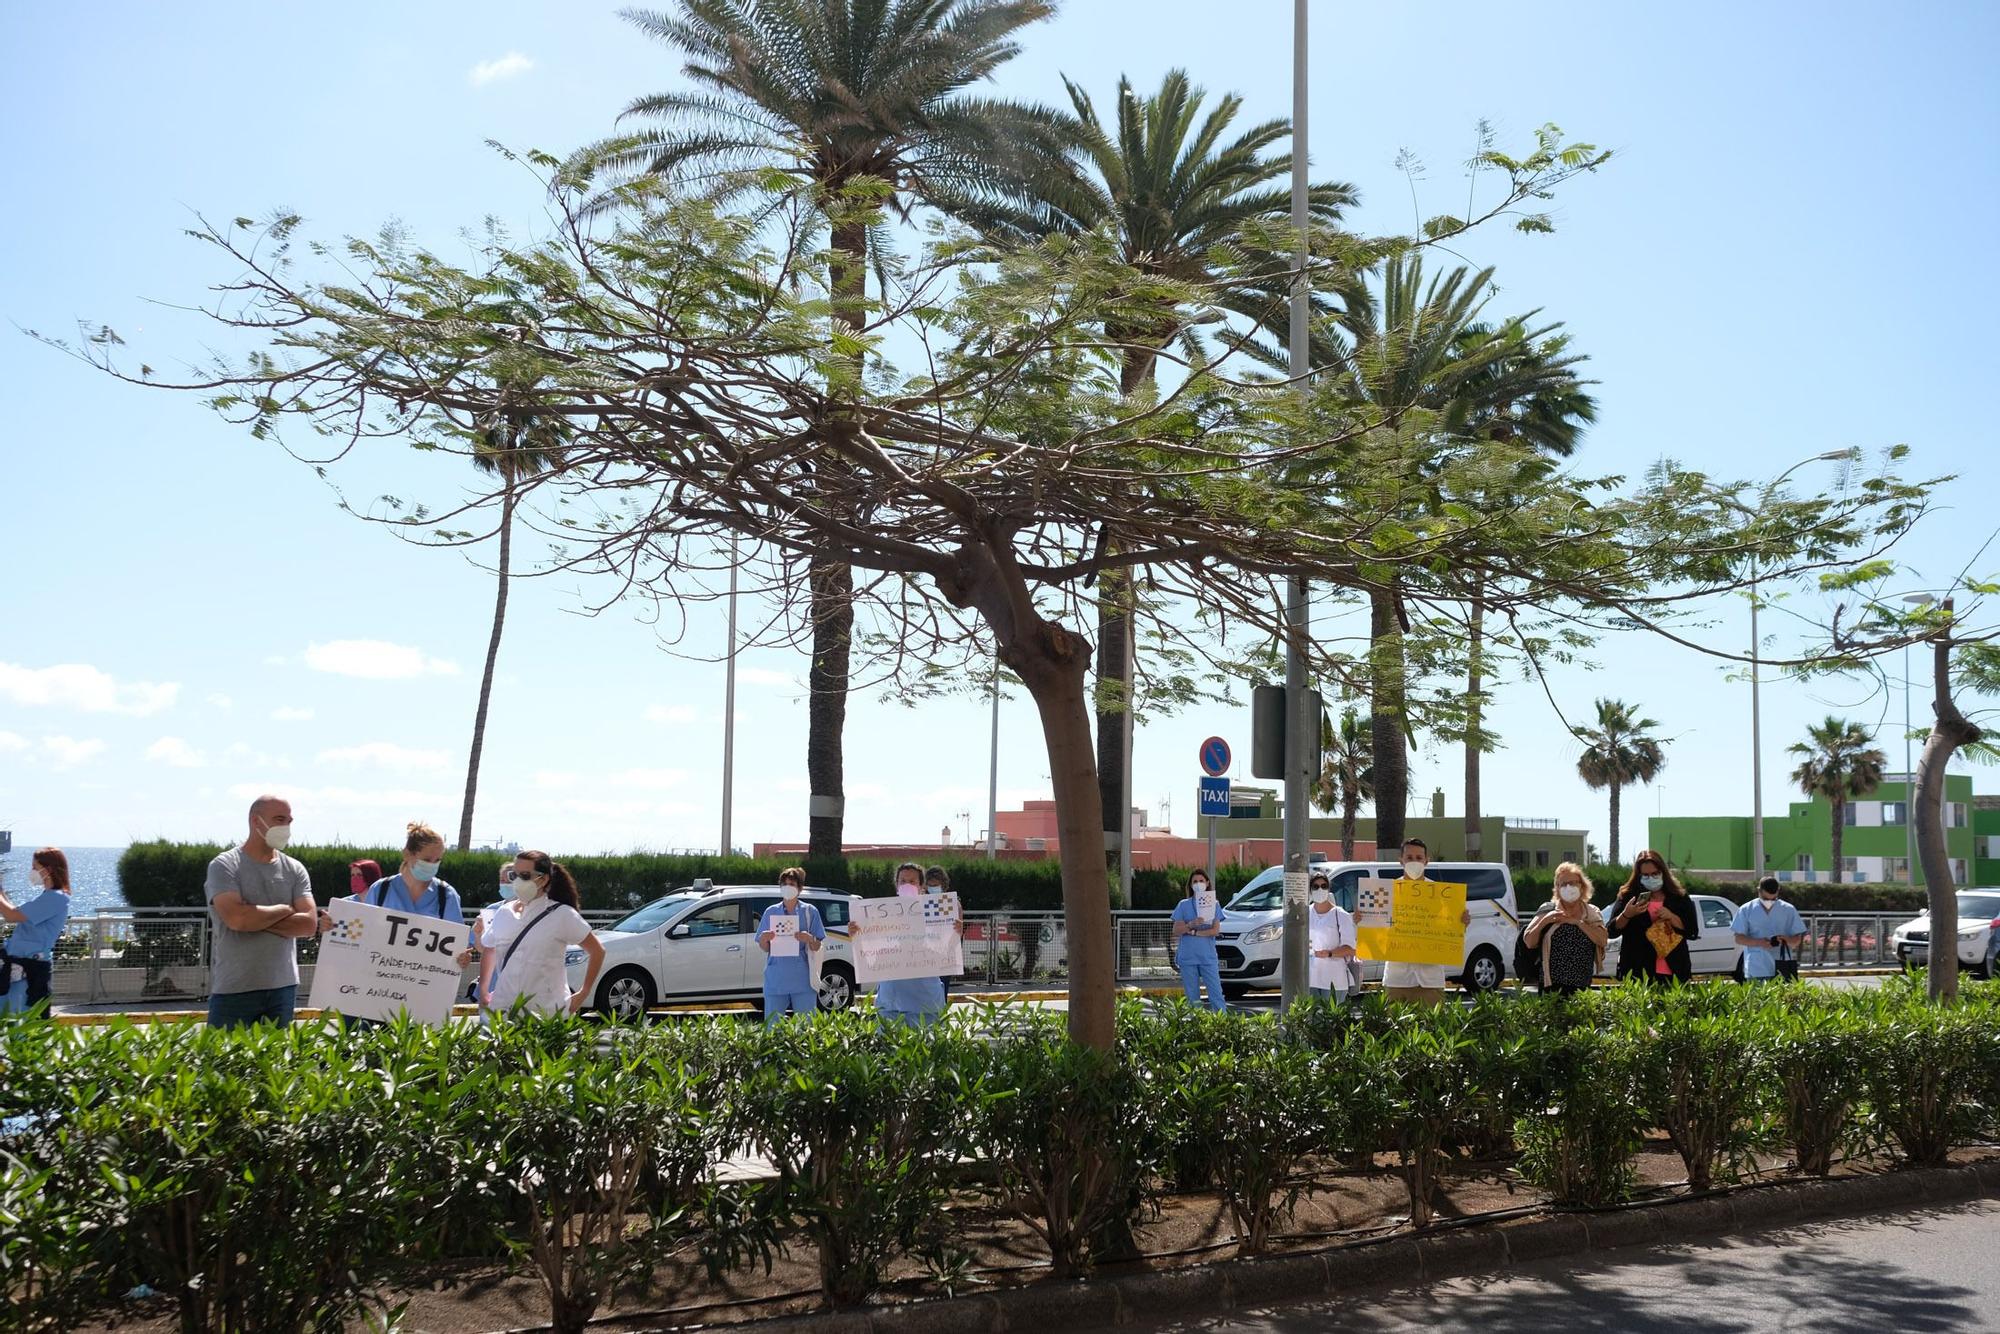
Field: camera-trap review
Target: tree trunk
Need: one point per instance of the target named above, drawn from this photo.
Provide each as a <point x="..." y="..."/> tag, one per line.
<point x="1839" y="835"/>
<point x="1348" y="807"/>
<point x="832" y="584"/>
<point x="1949" y="731"/>
<point x="1054" y="662"/>
<point x="1386" y="718"/>
<point x="486" y="679"/>
<point x="1614" y="825"/>
<point x="1475" y="741"/>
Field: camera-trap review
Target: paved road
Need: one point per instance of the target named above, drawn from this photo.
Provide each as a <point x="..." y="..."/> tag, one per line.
<point x="1924" y="1270"/>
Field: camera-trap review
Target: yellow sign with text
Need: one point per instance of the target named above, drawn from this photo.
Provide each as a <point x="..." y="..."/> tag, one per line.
<point x="1423" y="922"/>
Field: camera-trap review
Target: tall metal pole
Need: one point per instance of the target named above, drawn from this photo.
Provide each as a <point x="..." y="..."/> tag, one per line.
<point x="993" y="771"/>
<point x="729" y="710"/>
<point x="1756" y="746"/>
<point x="1125" y="779"/>
<point x="1294" y="964"/>
<point x="1909" y="781"/>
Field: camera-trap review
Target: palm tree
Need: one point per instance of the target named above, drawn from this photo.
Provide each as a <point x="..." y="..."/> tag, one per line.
<point x="1838" y="761"/>
<point x="1617" y="753"/>
<point x="512" y="445"/>
<point x="1177" y="190"/>
<point x="1346" y="776"/>
<point x="862" y="105"/>
<point x="1531" y="396"/>
<point x="1414" y="345"/>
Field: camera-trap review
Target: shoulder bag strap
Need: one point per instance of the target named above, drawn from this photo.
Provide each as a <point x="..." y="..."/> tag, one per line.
<point x="522" y="935"/>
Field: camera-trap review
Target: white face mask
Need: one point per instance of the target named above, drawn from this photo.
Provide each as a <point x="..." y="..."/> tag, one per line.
<point x="424" y="872"/>
<point x="1569" y="893"/>
<point x="906" y="890"/>
<point x="527" y="891"/>
<point x="278" y="837"/>
<point x="1200" y="887"/>
<point x="38" y="880"/>
<point x="1322" y="896"/>
<point x="1413" y="869"/>
<point x="791" y="893"/>
<point x="1652" y="882"/>
<point x="507" y="890"/>
<point x="933" y="889"/>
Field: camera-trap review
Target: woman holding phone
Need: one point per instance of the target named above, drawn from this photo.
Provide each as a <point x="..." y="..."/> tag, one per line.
<point x="1654" y="919"/>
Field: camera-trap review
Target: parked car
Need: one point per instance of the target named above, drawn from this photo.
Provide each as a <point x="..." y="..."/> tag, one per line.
<point x="1251" y="937"/>
<point x="700" y="944"/>
<point x="1978" y="919"/>
<point x="1713" y="951"/>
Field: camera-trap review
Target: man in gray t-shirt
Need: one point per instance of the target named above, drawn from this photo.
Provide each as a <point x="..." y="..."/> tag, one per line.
<point x="259" y="903"/>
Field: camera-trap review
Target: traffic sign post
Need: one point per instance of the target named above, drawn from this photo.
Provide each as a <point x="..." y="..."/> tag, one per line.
<point x="1214" y="804"/>
<point x="1215" y="757"/>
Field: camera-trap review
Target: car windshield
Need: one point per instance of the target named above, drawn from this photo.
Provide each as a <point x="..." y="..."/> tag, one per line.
<point x="654" y="914"/>
<point x="1264" y="894"/>
<point x="1978" y="905"/>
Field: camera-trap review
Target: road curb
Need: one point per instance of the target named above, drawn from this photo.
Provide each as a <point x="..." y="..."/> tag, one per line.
<point x="1235" y="1285"/>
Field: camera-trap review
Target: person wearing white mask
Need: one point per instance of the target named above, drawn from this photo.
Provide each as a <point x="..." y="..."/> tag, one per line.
<point x="261" y="903"/>
<point x="915" y="1001"/>
<point x="1330" y="936"/>
<point x="788" y="987"/>
<point x="1417" y="983"/>
<point x="1197" y="921"/>
<point x="1568" y="935"/>
<point x="529" y="971"/>
<point x="491" y="930"/>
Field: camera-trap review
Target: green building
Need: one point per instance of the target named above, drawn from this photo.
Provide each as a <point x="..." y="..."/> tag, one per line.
<point x="1874" y="842"/>
<point x="1524" y="844"/>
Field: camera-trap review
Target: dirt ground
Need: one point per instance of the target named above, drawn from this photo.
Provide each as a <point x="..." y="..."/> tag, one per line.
<point x="1341" y="1204"/>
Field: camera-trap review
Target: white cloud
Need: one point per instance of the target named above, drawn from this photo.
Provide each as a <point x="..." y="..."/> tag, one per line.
<point x="12" y="743"/>
<point x="222" y="701"/>
<point x="175" y="753"/>
<point x="288" y="714"/>
<point x="375" y="660"/>
<point x="78" y="685"/>
<point x="670" y="713"/>
<point x="383" y="755"/>
<point x="765" y="676"/>
<point x="506" y="67"/>
<point x="317" y="805"/>
<point x="68" y="752"/>
<point x="553" y="780"/>
<point x="648" y="780"/>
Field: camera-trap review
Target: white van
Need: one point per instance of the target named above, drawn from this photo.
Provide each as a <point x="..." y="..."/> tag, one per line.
<point x="1250" y="940"/>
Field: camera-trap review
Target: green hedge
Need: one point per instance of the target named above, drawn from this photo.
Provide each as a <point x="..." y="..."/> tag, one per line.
<point x="175" y="1155"/>
<point x="160" y="874"/>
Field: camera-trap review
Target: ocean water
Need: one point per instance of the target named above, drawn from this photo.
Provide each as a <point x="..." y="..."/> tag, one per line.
<point x="93" y="876"/>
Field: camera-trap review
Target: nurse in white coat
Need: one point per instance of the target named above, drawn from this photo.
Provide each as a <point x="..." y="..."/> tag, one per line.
<point x="528" y="968"/>
<point x="1330" y="936"/>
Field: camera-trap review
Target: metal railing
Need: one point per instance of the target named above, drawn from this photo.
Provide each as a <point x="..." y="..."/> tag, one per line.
<point x="143" y="957"/>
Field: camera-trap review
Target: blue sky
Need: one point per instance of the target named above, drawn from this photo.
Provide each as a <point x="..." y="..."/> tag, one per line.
<point x="1776" y="264"/>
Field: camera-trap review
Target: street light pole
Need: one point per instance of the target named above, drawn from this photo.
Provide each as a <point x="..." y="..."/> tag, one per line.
<point x="1756" y="742"/>
<point x="993" y="770"/>
<point x="729" y="711"/>
<point x="1294" y="963"/>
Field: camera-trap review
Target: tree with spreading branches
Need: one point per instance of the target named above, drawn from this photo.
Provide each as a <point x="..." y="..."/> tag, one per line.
<point x="685" y="348"/>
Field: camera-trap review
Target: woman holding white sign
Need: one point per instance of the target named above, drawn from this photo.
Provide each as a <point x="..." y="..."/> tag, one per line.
<point x="529" y="971"/>
<point x="1197" y="922"/>
<point x="785" y="932"/>
<point x="915" y="1001"/>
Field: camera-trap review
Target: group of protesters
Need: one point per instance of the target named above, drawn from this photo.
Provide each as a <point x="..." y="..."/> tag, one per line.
<point x="262" y="904"/>
<point x="1562" y="947"/>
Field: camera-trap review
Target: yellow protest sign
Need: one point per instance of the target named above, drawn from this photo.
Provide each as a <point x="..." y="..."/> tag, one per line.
<point x="1410" y="921"/>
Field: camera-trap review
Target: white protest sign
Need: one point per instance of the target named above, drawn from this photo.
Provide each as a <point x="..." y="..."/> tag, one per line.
<point x="1374" y="902"/>
<point x="785" y="936"/>
<point x="1204" y="906"/>
<point x="375" y="963"/>
<point x="907" y="937"/>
